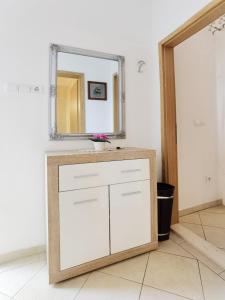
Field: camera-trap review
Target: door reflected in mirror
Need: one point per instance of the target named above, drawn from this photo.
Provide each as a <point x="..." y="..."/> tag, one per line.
<point x="88" y="93"/>
<point x="70" y="102"/>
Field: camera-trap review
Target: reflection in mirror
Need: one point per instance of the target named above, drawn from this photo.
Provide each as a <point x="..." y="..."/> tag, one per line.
<point x="70" y="102"/>
<point x="88" y="94"/>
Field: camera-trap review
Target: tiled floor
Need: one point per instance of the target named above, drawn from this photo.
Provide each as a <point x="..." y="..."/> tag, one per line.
<point x="175" y="271"/>
<point x="208" y="224"/>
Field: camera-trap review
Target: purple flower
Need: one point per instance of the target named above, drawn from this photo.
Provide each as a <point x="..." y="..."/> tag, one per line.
<point x="100" y="137"/>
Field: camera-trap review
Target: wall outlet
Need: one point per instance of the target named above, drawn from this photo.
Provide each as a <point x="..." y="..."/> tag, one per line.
<point x="22" y="89"/>
<point x="208" y="179"/>
<point x="37" y="89"/>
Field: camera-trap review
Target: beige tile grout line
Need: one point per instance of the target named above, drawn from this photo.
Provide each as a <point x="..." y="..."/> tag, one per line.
<point x="218" y="274"/>
<point x="29" y="280"/>
<point x="193" y="258"/>
<point x="211" y="212"/>
<point x="178" y="254"/>
<point x="3" y="294"/>
<point x="116" y="276"/>
<point x="217" y="227"/>
<point x="75" y="296"/>
<point x="203" y="246"/>
<point x="211" y="227"/>
<point x="165" y="291"/>
<point x="200" y="275"/>
<point x="142" y="284"/>
<point x="144" y="276"/>
<point x="202" y="226"/>
<point x="133" y="281"/>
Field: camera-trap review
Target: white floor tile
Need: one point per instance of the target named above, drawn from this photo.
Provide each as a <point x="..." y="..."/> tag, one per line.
<point x="172" y="248"/>
<point x="13" y="280"/>
<point x="101" y="286"/>
<point x="39" y="288"/>
<point x="192" y="218"/>
<point x="176" y="238"/>
<point x="216" y="220"/>
<point x="131" y="269"/>
<point x="175" y="274"/>
<point x="201" y="257"/>
<point x="215" y="235"/>
<point x="213" y="285"/>
<point x="149" y="293"/>
<point x="197" y="229"/>
<point x="4" y="297"/>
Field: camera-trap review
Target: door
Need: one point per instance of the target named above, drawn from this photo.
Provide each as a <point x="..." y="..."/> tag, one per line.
<point x="70" y="102"/>
<point x="130" y="218"/>
<point x="84" y="226"/>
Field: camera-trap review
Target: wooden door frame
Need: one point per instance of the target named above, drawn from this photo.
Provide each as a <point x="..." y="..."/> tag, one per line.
<point x="115" y="102"/>
<point x="168" y="94"/>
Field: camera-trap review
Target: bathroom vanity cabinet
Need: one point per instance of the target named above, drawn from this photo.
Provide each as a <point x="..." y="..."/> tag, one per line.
<point x="101" y="209"/>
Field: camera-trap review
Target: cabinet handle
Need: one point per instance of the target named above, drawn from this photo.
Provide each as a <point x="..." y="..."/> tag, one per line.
<point x="85" y="176"/>
<point x="85" y="201"/>
<point x="131" y="193"/>
<point x="131" y="171"/>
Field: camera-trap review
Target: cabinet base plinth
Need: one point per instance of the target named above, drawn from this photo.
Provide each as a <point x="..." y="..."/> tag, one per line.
<point x="58" y="276"/>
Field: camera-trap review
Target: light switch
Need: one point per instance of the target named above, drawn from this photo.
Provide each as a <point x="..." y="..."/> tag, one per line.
<point x="11" y="88"/>
<point x="24" y="89"/>
<point x="199" y="123"/>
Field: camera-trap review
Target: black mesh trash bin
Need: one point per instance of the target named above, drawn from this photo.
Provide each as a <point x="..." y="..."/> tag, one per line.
<point x="165" y="204"/>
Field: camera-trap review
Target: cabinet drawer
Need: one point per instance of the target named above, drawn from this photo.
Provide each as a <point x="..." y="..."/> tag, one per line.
<point x="84" y="226"/>
<point x="80" y="176"/>
<point x="130" y="217"/>
<point x="129" y="170"/>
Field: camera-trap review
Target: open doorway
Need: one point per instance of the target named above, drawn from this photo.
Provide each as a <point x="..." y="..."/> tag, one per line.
<point x="70" y="102"/>
<point x="200" y="112"/>
<point x="168" y="94"/>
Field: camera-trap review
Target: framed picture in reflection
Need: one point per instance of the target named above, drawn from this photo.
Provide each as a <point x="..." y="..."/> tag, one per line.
<point x="97" y="90"/>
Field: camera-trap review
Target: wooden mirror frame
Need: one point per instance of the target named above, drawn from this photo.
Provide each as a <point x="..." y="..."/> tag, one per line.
<point x="168" y="94"/>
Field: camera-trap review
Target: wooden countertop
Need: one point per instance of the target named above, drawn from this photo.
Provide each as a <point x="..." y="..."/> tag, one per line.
<point x="89" y="155"/>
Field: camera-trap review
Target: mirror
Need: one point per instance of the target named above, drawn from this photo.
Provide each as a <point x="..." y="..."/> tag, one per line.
<point x="86" y="93"/>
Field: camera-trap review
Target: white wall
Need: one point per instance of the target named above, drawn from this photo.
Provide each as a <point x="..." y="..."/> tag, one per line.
<point x="131" y="28"/>
<point x="166" y="16"/>
<point x="27" y="27"/>
<point x="195" y="74"/>
<point x="98" y="114"/>
<point x="219" y="40"/>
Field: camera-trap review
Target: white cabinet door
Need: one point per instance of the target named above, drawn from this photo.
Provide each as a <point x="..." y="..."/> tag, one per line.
<point x="84" y="226"/>
<point x="130" y="218"/>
